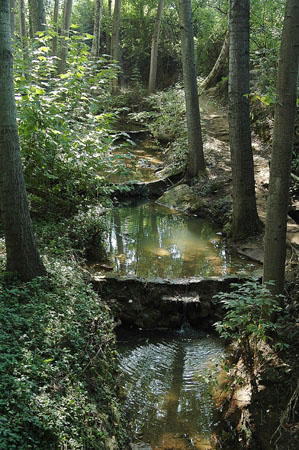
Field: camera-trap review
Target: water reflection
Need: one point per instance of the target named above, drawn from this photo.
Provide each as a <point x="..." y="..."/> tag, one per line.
<point x="152" y="241"/>
<point x="166" y="381"/>
<point x="138" y="162"/>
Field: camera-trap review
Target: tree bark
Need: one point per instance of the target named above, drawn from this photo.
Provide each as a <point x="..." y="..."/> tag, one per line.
<point x="217" y="70"/>
<point x="283" y="139"/>
<point x="22" y="20"/>
<point x="55" y="20"/>
<point x="245" y="221"/>
<point x="23" y="37"/>
<point x="21" y="250"/>
<point x="196" y="162"/>
<point x="98" y="12"/>
<point x="115" y="40"/>
<point x="108" y="35"/>
<point x="66" y="23"/>
<point x="37" y="16"/>
<point x="13" y="18"/>
<point x="154" y="49"/>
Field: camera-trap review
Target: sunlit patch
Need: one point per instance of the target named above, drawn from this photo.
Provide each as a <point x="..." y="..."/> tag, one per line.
<point x="161" y="252"/>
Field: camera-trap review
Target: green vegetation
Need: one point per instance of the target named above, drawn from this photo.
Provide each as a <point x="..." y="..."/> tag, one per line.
<point x="65" y="125"/>
<point x="57" y="362"/>
<point x="251" y="318"/>
<point x="249" y="307"/>
<point x="57" y="355"/>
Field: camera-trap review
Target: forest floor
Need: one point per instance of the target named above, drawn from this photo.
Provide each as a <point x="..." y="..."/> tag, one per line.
<point x="217" y="155"/>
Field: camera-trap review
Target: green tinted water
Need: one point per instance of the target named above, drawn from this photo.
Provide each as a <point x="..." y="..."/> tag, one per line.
<point x="153" y="241"/>
<point x="166" y="381"/>
<point x="141" y="162"/>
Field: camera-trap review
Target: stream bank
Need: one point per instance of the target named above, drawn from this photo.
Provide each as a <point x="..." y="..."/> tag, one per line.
<point x="252" y="425"/>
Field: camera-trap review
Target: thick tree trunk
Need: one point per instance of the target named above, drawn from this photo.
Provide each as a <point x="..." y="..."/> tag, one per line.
<point x="22" y="254"/>
<point x="66" y="23"/>
<point x="55" y="20"/>
<point x="115" y="39"/>
<point x="154" y="49"/>
<point x="98" y="12"/>
<point x="283" y="138"/>
<point x="196" y="162"/>
<point x="245" y="221"/>
<point x="37" y="16"/>
<point x="217" y="70"/>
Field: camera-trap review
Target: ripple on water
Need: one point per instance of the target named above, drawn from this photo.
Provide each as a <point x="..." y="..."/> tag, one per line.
<point x="166" y="381"/>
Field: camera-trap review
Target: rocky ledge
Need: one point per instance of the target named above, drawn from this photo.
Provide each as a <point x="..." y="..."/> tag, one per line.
<point x="164" y="303"/>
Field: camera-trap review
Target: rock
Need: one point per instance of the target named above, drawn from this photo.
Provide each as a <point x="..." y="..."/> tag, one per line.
<point x="148" y="189"/>
<point x="111" y="443"/>
<point x="141" y="446"/>
<point x="181" y="197"/>
<point x="162" y="303"/>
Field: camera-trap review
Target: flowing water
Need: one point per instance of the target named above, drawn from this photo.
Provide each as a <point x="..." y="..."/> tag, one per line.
<point x="166" y="380"/>
<point x="152" y="241"/>
<point x="141" y="160"/>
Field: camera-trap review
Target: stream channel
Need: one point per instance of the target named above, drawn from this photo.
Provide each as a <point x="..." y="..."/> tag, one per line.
<point x="165" y="377"/>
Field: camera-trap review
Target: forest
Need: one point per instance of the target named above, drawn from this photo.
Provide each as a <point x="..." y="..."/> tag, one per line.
<point x="149" y="180"/>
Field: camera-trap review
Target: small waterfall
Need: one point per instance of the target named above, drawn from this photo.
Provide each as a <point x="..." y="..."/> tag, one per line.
<point x="186" y="328"/>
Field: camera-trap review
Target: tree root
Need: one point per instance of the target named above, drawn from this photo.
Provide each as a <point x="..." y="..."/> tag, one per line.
<point x="287" y="413"/>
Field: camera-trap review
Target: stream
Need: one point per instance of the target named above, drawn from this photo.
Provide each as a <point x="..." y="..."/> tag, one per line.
<point x="166" y="380"/>
<point x="150" y="241"/>
<point x="166" y="377"/>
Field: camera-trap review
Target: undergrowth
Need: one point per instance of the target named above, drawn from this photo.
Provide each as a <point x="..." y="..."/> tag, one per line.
<point x="165" y="118"/>
<point x="58" y="360"/>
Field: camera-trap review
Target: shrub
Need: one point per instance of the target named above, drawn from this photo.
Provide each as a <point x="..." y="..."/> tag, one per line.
<point x="57" y="364"/>
<point x="249" y="320"/>
<point x="65" y="127"/>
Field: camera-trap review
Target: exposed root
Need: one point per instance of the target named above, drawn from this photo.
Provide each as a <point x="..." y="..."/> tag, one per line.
<point x="287" y="414"/>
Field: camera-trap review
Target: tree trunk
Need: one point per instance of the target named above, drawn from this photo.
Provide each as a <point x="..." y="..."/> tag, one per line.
<point x="22" y="20"/>
<point x="245" y="221"/>
<point x="213" y="77"/>
<point x="196" y="162"/>
<point x="108" y="35"/>
<point x="66" y="23"/>
<point x="21" y="251"/>
<point x="37" y="16"/>
<point x="23" y="36"/>
<point x="154" y="49"/>
<point x="13" y="18"/>
<point x="98" y="12"/>
<point x="283" y="139"/>
<point x="55" y="20"/>
<point x="115" y="39"/>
